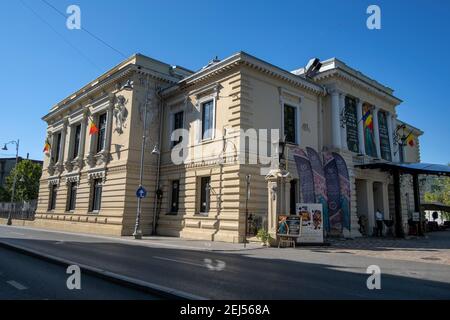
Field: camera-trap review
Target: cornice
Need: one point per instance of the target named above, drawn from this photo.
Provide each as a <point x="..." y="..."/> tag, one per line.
<point x="358" y="82"/>
<point x="244" y="59"/>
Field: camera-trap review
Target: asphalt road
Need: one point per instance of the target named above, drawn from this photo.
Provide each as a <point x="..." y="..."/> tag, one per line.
<point x="252" y="274"/>
<point x="24" y="277"/>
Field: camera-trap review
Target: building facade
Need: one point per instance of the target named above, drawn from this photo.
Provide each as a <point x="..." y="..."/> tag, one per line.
<point x="211" y="131"/>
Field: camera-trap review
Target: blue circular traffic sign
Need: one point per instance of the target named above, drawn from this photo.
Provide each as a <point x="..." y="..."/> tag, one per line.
<point x="141" y="192"/>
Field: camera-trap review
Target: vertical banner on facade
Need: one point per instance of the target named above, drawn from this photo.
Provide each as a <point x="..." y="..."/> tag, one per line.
<point x="369" y="137"/>
<point x="385" y="145"/>
<point x="305" y="175"/>
<point x="344" y="183"/>
<point x="351" y="121"/>
<point x="312" y="222"/>
<point x="320" y="184"/>
<point x="333" y="192"/>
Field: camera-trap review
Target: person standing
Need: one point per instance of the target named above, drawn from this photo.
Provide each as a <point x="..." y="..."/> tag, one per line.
<point x="379" y="217"/>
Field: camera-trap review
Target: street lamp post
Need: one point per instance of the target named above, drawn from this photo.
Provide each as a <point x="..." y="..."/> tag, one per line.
<point x="137" y="228"/>
<point x="9" y="222"/>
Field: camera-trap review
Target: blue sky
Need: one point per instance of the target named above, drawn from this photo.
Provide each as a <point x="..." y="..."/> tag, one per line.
<point x="411" y="52"/>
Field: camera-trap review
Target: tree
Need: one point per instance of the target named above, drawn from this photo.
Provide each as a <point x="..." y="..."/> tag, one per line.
<point x="440" y="192"/>
<point x="27" y="183"/>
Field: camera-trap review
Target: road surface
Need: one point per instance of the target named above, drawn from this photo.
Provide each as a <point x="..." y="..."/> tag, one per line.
<point x="253" y="274"/>
<point x="24" y="277"/>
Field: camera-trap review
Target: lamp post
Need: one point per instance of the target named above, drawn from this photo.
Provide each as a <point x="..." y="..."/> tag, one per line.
<point x="5" y="148"/>
<point x="247" y="197"/>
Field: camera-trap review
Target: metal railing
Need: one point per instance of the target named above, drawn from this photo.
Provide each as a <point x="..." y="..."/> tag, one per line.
<point x="19" y="210"/>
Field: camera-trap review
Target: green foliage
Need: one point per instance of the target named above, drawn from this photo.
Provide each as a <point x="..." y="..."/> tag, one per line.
<point x="27" y="182"/>
<point x="4" y="195"/>
<point x="440" y="192"/>
<point x="264" y="236"/>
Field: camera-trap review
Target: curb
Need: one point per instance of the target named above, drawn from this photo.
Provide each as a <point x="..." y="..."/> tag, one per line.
<point x="161" y="291"/>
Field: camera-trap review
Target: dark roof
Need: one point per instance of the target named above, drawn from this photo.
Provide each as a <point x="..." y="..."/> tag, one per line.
<point x="411" y="168"/>
<point x="438" y="206"/>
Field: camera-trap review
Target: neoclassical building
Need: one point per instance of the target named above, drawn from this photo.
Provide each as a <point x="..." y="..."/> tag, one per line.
<point x="90" y="179"/>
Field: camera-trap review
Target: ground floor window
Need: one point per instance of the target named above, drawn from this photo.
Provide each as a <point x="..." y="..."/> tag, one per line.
<point x="53" y="195"/>
<point x="96" y="195"/>
<point x="72" y="196"/>
<point x="205" y="194"/>
<point x="175" y="197"/>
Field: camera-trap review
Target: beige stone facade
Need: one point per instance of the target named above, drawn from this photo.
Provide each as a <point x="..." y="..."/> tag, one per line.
<point x="89" y="181"/>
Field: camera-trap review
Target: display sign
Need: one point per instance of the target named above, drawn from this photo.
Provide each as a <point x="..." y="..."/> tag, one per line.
<point x="311" y="215"/>
<point x="416" y="216"/>
<point x="385" y="145"/>
<point x="288" y="226"/>
<point x="351" y="121"/>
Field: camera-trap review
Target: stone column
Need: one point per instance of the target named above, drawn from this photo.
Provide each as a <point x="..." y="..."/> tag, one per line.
<point x="391" y="134"/>
<point x="395" y="151"/>
<point x="359" y="115"/>
<point x="109" y="125"/>
<point x="376" y="131"/>
<point x="278" y="198"/>
<point x="81" y="151"/>
<point x="342" y="124"/>
<point x="62" y="151"/>
<point x="335" y="120"/>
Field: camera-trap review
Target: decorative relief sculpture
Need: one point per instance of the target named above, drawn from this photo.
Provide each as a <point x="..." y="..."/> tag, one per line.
<point x="120" y="113"/>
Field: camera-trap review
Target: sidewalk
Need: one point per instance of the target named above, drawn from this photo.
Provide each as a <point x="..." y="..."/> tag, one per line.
<point x="149" y="241"/>
<point x="433" y="248"/>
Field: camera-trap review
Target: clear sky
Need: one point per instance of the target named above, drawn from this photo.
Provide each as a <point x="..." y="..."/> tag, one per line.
<point x="411" y="52"/>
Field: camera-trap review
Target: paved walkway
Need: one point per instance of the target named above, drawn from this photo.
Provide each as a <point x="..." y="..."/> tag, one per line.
<point x="434" y="248"/>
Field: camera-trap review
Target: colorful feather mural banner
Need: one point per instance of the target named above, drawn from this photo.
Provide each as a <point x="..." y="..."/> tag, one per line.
<point x="344" y="183"/>
<point x="305" y="175"/>
<point x="320" y="184"/>
<point x="333" y="192"/>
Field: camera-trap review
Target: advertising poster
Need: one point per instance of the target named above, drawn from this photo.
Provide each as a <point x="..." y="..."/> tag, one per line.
<point x="311" y="215"/>
<point x="288" y="226"/>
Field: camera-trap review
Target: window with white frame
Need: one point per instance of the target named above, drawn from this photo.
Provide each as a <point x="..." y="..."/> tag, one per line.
<point x="207" y="119"/>
<point x="76" y="140"/>
<point x="177" y="123"/>
<point x="290" y="124"/>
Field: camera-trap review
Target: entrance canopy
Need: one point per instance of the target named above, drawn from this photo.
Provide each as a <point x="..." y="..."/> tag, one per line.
<point x="410" y="168"/>
<point x="436" y="206"/>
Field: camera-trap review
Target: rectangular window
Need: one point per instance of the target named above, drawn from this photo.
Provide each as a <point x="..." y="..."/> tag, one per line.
<point x="101" y="132"/>
<point x="96" y="195"/>
<point x="177" y="124"/>
<point x="207" y="119"/>
<point x="53" y="195"/>
<point x="76" y="141"/>
<point x="58" y="147"/>
<point x="72" y="196"/>
<point x="205" y="194"/>
<point x="175" y="196"/>
<point x="290" y="124"/>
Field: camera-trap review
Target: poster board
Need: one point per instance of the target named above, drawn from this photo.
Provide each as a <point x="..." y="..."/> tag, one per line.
<point x="311" y="216"/>
<point x="289" y="226"/>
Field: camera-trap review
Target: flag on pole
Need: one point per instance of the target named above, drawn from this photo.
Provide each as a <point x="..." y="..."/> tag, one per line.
<point x="410" y="140"/>
<point x="92" y="128"/>
<point x="369" y="121"/>
<point x="47" y="146"/>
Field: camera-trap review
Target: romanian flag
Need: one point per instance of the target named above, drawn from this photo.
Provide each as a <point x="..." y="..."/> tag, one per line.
<point x="46" y="146"/>
<point x="93" y="128"/>
<point x="368" y="122"/>
<point x="410" y="140"/>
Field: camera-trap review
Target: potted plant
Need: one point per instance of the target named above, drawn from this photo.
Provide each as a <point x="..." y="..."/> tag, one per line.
<point x="264" y="236"/>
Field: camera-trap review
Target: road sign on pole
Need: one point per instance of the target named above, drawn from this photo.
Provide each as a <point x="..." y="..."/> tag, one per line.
<point x="141" y="192"/>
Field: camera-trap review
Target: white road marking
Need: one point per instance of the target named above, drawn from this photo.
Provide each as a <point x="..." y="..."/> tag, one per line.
<point x="180" y="261"/>
<point x="16" y="285"/>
